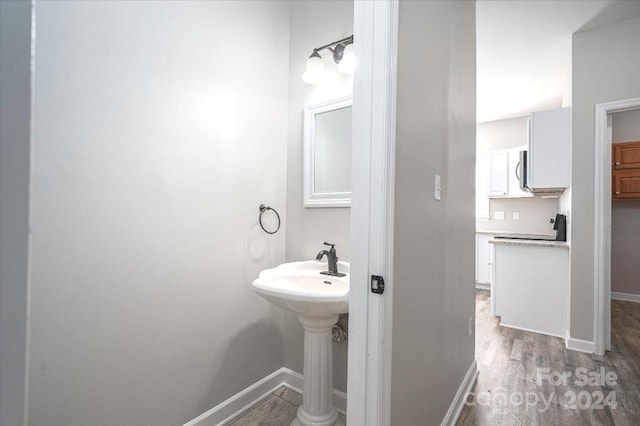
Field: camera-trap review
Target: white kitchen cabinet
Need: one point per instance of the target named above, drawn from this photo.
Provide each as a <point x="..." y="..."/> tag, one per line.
<point x="482" y="187"/>
<point x="504" y="168"/>
<point x="482" y="259"/>
<point x="514" y="173"/>
<point x="549" y="154"/>
<point x="530" y="286"/>
<point x="498" y="173"/>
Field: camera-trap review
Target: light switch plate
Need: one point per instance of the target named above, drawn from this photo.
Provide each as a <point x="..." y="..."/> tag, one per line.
<point x="437" y="191"/>
<point x="497" y="215"/>
<point x="516" y="215"/>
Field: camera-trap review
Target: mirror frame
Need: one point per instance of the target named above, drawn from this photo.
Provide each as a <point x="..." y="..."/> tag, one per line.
<point x="311" y="198"/>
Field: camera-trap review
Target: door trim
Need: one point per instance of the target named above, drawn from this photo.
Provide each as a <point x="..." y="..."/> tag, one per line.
<point x="602" y="222"/>
<point x="372" y="217"/>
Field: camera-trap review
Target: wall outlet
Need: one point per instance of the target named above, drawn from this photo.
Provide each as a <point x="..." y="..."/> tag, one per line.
<point x="471" y="326"/>
<point x="498" y="215"/>
<point x="516" y="215"/>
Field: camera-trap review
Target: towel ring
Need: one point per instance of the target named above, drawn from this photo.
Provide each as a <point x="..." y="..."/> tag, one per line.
<point x="263" y="209"/>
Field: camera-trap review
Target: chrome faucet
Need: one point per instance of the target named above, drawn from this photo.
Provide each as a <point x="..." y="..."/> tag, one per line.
<point x="332" y="260"/>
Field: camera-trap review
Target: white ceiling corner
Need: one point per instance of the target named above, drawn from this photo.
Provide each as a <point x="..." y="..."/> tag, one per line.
<point x="524" y="53"/>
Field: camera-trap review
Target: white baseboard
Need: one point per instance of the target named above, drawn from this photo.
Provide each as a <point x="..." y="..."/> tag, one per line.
<point x="579" y="345"/>
<point x="515" y="327"/>
<point x="459" y="399"/>
<point x="483" y="286"/>
<point x="294" y="381"/>
<point x="235" y="406"/>
<point x="627" y="297"/>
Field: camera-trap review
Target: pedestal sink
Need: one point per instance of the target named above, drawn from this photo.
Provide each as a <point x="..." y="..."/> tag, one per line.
<point x="318" y="300"/>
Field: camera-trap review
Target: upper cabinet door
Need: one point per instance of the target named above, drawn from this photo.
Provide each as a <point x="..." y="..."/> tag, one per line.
<point x="498" y="173"/>
<point x="549" y="153"/>
<point x="626" y="184"/>
<point x="626" y="155"/>
<point x="515" y="173"/>
<point x="626" y="171"/>
<point x="505" y="173"/>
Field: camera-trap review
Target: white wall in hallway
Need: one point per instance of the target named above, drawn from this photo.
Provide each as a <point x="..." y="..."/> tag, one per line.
<point x="434" y="240"/>
<point x="595" y="52"/>
<point x="159" y="128"/>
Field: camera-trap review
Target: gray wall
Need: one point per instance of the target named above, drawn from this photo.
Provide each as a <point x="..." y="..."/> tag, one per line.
<point x="434" y="240"/>
<point x="313" y="24"/>
<point x="15" y="116"/>
<point x="625" y="218"/>
<point x="159" y="128"/>
<point x="606" y="66"/>
<point x="501" y="134"/>
<point x="535" y="213"/>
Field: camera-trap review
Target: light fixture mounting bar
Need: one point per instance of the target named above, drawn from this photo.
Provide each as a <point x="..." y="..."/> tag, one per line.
<point x="341" y="49"/>
<point x="346" y="40"/>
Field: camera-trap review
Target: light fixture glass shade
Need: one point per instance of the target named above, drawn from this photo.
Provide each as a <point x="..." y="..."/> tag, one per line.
<point x="314" y="73"/>
<point x="348" y="63"/>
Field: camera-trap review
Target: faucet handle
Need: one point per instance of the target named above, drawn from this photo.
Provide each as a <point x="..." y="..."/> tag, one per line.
<point x="329" y="244"/>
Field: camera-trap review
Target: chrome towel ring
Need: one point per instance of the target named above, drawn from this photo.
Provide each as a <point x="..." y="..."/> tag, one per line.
<point x="263" y="209"/>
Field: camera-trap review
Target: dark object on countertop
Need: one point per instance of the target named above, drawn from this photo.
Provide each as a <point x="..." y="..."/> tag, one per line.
<point x="560" y="225"/>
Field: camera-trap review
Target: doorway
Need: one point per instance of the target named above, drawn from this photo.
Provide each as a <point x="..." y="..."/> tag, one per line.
<point x="603" y="217"/>
<point x="625" y="228"/>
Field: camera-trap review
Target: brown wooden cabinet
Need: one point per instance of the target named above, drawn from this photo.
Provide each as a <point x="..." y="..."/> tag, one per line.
<point x="626" y="171"/>
<point x="626" y="184"/>
<point x="626" y="155"/>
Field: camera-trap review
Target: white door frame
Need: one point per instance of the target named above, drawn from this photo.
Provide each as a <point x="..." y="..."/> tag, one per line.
<point x="374" y="108"/>
<point x="602" y="228"/>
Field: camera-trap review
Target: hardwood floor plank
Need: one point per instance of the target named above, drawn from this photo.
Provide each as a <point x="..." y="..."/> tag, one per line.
<point x="280" y="409"/>
<point x="515" y="363"/>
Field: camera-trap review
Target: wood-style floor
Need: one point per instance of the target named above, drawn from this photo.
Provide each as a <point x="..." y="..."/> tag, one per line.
<point x="509" y="391"/>
<point x="279" y="409"/>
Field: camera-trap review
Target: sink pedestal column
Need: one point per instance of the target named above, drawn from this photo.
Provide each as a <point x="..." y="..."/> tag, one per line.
<point x="317" y="399"/>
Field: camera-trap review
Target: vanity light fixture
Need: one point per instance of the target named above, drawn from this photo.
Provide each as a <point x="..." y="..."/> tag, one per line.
<point x="342" y="51"/>
<point x="348" y="63"/>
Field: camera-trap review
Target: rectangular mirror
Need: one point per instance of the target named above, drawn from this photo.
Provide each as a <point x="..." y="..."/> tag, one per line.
<point x="327" y="153"/>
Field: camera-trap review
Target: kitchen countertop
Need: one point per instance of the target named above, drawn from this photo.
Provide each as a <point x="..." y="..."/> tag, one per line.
<point x="505" y="233"/>
<point x="536" y="243"/>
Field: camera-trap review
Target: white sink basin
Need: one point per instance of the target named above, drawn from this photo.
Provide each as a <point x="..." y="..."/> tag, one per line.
<point x="318" y="299"/>
<point x="299" y="287"/>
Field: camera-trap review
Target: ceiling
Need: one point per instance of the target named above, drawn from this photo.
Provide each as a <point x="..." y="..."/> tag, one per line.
<point x="524" y="51"/>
